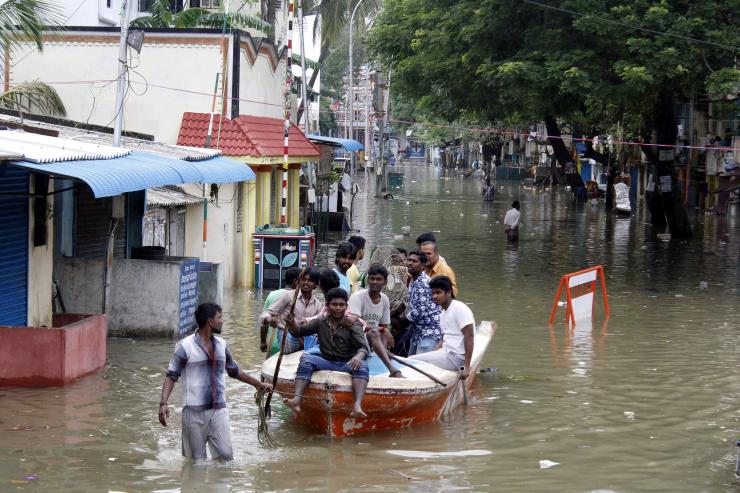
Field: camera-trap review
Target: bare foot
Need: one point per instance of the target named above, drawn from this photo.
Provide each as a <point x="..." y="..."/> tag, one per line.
<point x="357" y="412"/>
<point x="397" y="374"/>
<point x="291" y="403"/>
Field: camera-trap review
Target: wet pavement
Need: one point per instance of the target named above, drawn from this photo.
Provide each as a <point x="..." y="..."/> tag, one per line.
<point x="647" y="400"/>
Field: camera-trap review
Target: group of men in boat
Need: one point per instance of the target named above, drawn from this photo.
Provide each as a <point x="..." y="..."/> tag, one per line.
<point x="338" y="334"/>
<point x="355" y="318"/>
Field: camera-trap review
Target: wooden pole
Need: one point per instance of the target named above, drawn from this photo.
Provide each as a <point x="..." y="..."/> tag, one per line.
<point x="428" y="375"/>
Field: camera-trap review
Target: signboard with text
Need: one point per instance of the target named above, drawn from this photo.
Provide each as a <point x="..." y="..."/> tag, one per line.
<point x="188" y="294"/>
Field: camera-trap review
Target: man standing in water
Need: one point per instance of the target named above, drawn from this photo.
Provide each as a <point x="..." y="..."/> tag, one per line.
<point x="511" y="222"/>
<point x="455" y="350"/>
<point x="345" y="257"/>
<point x="374" y="307"/>
<point x="202" y="359"/>
<point x="343" y="349"/>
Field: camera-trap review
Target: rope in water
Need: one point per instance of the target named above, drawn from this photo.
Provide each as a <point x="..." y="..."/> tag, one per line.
<point x="263" y="431"/>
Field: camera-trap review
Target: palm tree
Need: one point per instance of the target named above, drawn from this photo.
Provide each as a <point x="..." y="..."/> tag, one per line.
<point x="21" y="21"/>
<point x="161" y="15"/>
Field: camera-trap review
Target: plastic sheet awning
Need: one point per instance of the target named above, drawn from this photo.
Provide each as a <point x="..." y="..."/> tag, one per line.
<point x="141" y="170"/>
<point x="348" y="144"/>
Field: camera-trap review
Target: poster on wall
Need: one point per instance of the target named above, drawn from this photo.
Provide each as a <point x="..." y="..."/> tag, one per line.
<point x="188" y="295"/>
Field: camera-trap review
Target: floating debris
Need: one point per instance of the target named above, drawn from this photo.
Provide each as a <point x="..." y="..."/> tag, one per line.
<point x="547" y="464"/>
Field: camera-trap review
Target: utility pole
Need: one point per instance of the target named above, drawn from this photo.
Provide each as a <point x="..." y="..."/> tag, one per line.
<point x="386" y="116"/>
<point x="122" y="68"/>
<point x="304" y="77"/>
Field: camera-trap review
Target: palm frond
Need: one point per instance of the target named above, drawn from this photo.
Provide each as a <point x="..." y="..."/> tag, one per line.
<point x="23" y="20"/>
<point x="312" y="64"/>
<point x="33" y="97"/>
<point x="197" y="17"/>
<point x="160" y="15"/>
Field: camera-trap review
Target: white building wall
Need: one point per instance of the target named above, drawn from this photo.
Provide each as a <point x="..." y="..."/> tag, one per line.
<point x="223" y="242"/>
<point x="174" y="73"/>
<point x="260" y="87"/>
<point x="167" y="79"/>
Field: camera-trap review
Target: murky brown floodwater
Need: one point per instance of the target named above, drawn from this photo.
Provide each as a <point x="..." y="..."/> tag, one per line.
<point x="648" y="402"/>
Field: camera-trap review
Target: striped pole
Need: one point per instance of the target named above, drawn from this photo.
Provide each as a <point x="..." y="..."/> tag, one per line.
<point x="288" y="86"/>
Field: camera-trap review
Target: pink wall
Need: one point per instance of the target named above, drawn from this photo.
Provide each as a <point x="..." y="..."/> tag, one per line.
<point x="40" y="356"/>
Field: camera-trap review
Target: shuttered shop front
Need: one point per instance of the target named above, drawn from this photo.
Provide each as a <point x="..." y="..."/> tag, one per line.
<point x="14" y="249"/>
<point x="91" y="225"/>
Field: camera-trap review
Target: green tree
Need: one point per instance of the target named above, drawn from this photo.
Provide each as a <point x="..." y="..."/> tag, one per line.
<point x="327" y="118"/>
<point x="161" y="15"/>
<point x="593" y="64"/>
<point x="21" y="21"/>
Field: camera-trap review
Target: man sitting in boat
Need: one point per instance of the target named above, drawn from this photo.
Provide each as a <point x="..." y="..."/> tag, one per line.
<point x="342" y="349"/>
<point x="374" y="307"/>
<point x="306" y="306"/>
<point x="422" y="312"/>
<point x="457" y="322"/>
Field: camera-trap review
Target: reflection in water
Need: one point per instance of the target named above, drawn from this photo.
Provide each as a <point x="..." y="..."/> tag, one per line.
<point x="655" y="407"/>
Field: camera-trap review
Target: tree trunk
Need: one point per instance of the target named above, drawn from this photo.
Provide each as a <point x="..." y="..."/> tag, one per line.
<point x="664" y="200"/>
<point x="488" y="151"/>
<point x="563" y="157"/>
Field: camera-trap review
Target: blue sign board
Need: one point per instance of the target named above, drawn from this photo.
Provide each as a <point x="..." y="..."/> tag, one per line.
<point x="188" y="294"/>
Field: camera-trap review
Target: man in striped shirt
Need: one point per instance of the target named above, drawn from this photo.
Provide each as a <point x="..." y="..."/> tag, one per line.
<point x="202" y="360"/>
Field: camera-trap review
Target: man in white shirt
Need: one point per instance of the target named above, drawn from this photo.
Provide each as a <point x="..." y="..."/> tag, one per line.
<point x="511" y="222"/>
<point x="457" y="322"/>
<point x="374" y="307"/>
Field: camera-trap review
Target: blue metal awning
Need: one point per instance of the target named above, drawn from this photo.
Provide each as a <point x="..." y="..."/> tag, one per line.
<point x="348" y="144"/>
<point x="141" y="170"/>
<point x="221" y="169"/>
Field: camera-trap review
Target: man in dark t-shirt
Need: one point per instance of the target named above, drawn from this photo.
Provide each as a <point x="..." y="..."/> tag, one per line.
<point x="343" y="349"/>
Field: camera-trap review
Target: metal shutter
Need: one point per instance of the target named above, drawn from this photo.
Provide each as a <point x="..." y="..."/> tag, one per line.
<point x="14" y="247"/>
<point x="92" y="219"/>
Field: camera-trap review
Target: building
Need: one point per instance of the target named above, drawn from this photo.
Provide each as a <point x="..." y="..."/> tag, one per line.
<point x="175" y="73"/>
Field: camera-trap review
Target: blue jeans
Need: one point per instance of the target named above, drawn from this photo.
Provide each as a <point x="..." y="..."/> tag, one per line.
<point x="314" y="362"/>
<point x="424" y="345"/>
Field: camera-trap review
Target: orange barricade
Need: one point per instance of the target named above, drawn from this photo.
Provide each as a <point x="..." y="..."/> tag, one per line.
<point x="580" y="294"/>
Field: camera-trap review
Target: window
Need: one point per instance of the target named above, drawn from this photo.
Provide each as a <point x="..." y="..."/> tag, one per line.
<point x="210" y="4"/>
<point x="145" y="5"/>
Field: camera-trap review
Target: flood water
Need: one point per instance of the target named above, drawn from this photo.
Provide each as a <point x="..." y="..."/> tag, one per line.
<point x="647" y="400"/>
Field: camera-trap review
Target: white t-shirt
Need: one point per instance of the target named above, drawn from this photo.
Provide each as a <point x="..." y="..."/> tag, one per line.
<point x="512" y="218"/>
<point x="452" y="321"/>
<point x="374" y="315"/>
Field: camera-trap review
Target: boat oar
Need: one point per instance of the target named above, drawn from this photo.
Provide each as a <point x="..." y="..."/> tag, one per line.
<point x="426" y="374"/>
<point x="462" y="384"/>
<point x="268" y="409"/>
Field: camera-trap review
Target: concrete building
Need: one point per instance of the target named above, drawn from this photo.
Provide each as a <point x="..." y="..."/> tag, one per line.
<point x="73" y="210"/>
<point x="257" y="141"/>
<point x="174" y="73"/>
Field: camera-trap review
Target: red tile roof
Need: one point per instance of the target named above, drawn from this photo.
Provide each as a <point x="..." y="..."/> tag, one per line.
<point x="253" y="136"/>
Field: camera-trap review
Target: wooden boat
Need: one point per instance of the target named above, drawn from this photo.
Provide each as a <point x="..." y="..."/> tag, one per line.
<point x="389" y="402"/>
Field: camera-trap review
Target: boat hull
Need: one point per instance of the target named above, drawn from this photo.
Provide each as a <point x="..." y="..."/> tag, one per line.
<point x="388" y="403"/>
